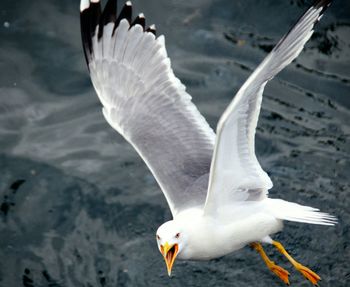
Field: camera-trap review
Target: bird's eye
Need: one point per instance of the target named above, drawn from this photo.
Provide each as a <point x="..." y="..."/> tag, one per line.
<point x="177" y="235"/>
<point x="158" y="237"/>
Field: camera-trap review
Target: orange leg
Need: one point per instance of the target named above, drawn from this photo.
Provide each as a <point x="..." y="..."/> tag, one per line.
<point x="308" y="274"/>
<point x="278" y="270"/>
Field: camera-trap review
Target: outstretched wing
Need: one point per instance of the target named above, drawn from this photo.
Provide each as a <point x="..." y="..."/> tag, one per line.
<point x="144" y="101"/>
<point x="236" y="174"/>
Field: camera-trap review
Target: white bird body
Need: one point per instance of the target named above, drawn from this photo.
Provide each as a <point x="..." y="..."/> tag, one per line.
<point x="233" y="226"/>
<point x="209" y="237"/>
<point x="215" y="187"/>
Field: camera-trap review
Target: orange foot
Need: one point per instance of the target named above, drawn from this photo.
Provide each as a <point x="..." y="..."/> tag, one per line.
<point x="282" y="273"/>
<point x="278" y="270"/>
<point x="308" y="274"/>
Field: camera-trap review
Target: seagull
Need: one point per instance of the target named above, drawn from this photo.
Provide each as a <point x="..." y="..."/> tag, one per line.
<point x="214" y="185"/>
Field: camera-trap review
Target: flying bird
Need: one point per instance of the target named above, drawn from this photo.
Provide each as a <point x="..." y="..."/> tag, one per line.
<point x="215" y="187"/>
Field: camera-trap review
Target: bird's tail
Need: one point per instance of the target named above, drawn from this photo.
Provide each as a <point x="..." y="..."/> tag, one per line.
<point x="285" y="210"/>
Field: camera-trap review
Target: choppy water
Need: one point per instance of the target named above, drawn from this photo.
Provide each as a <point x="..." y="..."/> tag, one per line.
<point x="87" y="212"/>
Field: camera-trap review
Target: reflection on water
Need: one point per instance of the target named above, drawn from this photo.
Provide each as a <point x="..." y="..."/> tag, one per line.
<point x="79" y="208"/>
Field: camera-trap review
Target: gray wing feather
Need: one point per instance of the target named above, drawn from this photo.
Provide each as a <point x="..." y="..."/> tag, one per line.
<point x="144" y="101"/>
<point x="236" y="174"/>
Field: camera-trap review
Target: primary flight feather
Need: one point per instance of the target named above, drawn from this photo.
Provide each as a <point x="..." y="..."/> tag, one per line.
<point x="214" y="184"/>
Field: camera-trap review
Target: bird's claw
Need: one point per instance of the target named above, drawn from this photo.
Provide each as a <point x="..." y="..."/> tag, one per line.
<point x="308" y="274"/>
<point x="282" y="273"/>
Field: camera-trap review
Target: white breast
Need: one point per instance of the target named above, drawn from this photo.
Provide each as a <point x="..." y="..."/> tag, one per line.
<point x="212" y="237"/>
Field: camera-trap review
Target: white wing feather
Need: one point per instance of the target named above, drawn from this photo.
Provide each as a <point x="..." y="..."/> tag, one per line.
<point x="144" y="101"/>
<point x="235" y="173"/>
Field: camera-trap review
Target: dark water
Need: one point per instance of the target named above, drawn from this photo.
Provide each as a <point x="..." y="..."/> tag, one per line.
<point x="88" y="210"/>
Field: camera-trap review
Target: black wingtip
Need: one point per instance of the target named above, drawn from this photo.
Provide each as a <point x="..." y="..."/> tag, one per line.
<point x="324" y="4"/>
<point x="110" y="12"/>
<point x="85" y="34"/>
<point x="126" y="13"/>
<point x="89" y="19"/>
<point x="152" y="29"/>
<point x="140" y="20"/>
<point x="109" y="15"/>
<point x="95" y="15"/>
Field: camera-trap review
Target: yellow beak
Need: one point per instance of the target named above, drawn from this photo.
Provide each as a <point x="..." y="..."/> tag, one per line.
<point x="169" y="253"/>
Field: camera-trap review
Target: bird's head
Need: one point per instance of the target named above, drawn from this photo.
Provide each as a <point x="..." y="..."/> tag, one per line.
<point x="170" y="240"/>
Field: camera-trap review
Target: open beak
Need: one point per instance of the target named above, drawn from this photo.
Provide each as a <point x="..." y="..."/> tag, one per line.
<point x="169" y="253"/>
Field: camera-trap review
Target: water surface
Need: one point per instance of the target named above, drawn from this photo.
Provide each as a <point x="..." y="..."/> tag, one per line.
<point x="87" y="208"/>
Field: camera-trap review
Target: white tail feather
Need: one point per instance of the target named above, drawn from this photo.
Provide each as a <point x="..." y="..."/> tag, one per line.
<point x="286" y="210"/>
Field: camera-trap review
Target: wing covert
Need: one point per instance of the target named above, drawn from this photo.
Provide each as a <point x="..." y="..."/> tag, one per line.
<point x="236" y="174"/>
<point x="144" y="101"/>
